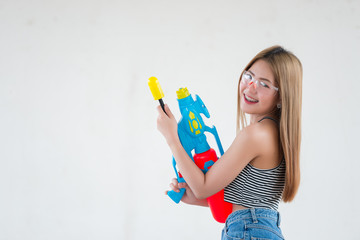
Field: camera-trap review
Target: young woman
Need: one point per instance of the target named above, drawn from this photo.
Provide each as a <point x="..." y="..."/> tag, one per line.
<point x="261" y="167"/>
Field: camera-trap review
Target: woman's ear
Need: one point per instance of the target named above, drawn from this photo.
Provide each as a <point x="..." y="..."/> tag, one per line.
<point x="278" y="105"/>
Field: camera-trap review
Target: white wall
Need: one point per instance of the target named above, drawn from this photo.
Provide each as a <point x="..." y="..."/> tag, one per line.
<point x="80" y="156"/>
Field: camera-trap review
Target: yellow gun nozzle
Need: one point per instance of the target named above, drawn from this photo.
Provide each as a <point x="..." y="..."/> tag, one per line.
<point x="155" y="88"/>
<point x="182" y="93"/>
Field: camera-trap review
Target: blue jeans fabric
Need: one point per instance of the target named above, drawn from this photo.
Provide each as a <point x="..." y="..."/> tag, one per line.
<point x="251" y="224"/>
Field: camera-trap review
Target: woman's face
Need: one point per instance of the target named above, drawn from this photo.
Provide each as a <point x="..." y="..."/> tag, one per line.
<point x="255" y="99"/>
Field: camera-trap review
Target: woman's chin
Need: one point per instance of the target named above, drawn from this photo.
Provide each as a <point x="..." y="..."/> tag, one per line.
<point x="247" y="109"/>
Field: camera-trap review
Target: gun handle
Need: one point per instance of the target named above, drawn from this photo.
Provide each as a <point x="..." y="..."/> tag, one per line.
<point x="176" y="196"/>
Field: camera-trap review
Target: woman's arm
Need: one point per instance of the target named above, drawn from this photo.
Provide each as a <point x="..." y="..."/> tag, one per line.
<point x="244" y="148"/>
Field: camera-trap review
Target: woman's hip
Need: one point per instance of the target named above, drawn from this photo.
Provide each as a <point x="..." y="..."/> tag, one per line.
<point x="253" y="223"/>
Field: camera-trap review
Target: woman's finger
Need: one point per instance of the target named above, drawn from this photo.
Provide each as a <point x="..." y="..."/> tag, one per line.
<point x="168" y="111"/>
<point x="182" y="185"/>
<point x="160" y="110"/>
<point x="174" y="181"/>
<point x="174" y="187"/>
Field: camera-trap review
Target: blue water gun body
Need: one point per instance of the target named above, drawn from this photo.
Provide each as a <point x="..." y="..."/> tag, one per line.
<point x="191" y="131"/>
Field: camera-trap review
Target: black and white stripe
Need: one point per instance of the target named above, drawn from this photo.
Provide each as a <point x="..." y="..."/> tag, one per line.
<point x="255" y="187"/>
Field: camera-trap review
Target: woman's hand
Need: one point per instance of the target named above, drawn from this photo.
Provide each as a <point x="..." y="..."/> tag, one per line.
<point x="167" y="125"/>
<point x="189" y="197"/>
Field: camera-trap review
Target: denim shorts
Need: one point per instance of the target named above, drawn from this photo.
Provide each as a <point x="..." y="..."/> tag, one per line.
<point x="251" y="224"/>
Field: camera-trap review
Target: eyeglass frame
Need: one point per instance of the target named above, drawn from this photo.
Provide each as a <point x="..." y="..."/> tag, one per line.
<point x="256" y="81"/>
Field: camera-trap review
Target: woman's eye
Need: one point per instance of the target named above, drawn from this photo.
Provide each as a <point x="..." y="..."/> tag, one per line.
<point x="248" y="76"/>
<point x="264" y="84"/>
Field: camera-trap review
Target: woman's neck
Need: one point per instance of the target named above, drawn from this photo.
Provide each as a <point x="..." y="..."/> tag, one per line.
<point x="254" y="118"/>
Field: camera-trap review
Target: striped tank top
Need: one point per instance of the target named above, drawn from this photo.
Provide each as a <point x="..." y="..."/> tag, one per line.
<point x="257" y="188"/>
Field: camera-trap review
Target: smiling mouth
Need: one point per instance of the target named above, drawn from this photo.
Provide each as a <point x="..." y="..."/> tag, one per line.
<point x="249" y="99"/>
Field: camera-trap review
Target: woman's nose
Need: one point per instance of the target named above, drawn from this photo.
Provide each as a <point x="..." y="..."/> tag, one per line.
<point x="253" y="84"/>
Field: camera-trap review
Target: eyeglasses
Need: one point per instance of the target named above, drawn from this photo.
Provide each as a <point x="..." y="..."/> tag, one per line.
<point x="261" y="86"/>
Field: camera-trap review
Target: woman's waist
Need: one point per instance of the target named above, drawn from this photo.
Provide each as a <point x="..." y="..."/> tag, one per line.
<point x="237" y="207"/>
<point x="242" y="212"/>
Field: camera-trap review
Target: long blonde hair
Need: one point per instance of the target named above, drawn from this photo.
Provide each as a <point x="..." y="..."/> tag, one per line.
<point x="287" y="70"/>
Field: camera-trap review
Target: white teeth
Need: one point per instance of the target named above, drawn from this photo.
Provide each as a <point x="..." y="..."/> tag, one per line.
<point x="250" y="99"/>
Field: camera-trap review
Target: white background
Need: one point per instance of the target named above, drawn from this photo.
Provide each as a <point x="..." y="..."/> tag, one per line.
<point x="80" y="156"/>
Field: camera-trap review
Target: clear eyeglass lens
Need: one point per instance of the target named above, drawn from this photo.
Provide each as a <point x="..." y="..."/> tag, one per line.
<point x="260" y="85"/>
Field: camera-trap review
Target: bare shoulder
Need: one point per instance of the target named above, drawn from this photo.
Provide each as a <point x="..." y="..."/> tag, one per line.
<point x="261" y="132"/>
<point x="265" y="131"/>
<point x="265" y="135"/>
<point x="245" y="146"/>
<point x="255" y="137"/>
<point x="254" y="142"/>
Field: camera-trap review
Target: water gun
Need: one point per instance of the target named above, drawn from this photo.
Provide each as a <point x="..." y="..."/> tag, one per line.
<point x="191" y="131"/>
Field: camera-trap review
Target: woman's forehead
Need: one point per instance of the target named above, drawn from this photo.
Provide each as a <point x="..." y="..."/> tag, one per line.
<point x="262" y="70"/>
